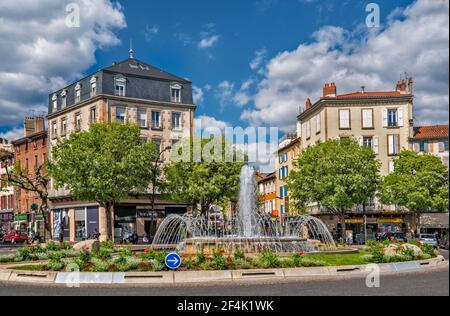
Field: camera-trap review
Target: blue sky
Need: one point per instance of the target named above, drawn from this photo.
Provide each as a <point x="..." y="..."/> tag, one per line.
<point x="253" y="62"/>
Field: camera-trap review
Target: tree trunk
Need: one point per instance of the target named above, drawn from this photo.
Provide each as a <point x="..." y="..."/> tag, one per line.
<point x="109" y="207"/>
<point x="416" y="222"/>
<point x="343" y="226"/>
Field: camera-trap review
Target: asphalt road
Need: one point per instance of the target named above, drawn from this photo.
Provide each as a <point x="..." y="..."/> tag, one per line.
<point x="424" y="283"/>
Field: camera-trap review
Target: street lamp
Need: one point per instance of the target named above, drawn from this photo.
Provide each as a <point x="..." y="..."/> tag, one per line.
<point x="155" y="178"/>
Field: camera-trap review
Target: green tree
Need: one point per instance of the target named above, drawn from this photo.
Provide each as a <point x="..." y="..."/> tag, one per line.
<point x="418" y="183"/>
<point x="35" y="181"/>
<point x="205" y="177"/>
<point x="105" y="164"/>
<point x="337" y="175"/>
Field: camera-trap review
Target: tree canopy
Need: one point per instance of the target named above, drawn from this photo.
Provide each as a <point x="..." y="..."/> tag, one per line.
<point x="105" y="164"/>
<point x="337" y="175"/>
<point x="419" y="183"/>
<point x="204" y="181"/>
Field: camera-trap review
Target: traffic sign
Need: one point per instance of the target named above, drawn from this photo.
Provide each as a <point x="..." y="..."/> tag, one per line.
<point x="173" y="261"/>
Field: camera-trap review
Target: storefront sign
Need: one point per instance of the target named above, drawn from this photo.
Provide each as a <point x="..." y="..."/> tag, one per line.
<point x="390" y="220"/>
<point x="148" y="214"/>
<point x="354" y="221"/>
<point x="21" y="217"/>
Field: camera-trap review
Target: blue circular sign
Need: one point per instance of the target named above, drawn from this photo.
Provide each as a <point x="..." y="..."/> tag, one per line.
<point x="173" y="261"/>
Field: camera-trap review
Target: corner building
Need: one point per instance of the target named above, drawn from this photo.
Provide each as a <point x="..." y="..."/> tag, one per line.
<point x="160" y="103"/>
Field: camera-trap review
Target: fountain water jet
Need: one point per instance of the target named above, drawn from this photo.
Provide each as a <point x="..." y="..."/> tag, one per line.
<point x="250" y="231"/>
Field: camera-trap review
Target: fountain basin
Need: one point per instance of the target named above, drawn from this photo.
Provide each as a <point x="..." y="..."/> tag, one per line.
<point x="229" y="245"/>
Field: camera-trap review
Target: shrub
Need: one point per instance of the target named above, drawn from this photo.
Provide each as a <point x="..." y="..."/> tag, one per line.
<point x="157" y="266"/>
<point x="85" y="256"/>
<point x="268" y="260"/>
<point x="219" y="259"/>
<point x="103" y="254"/>
<point x="133" y="263"/>
<point x="239" y="255"/>
<point x="161" y="257"/>
<point x="26" y="253"/>
<point x="52" y="246"/>
<point x="107" y="245"/>
<point x="242" y="264"/>
<point x="307" y="262"/>
<point x="100" y="267"/>
<point x="37" y="248"/>
<point x="288" y="262"/>
<point x="206" y="266"/>
<point x="149" y="254"/>
<point x="7" y="258"/>
<point x="201" y="257"/>
<point x="55" y="265"/>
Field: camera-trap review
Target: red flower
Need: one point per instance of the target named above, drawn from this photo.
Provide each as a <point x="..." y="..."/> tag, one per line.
<point x="291" y="249"/>
<point x="301" y="253"/>
<point x="103" y="258"/>
<point x="146" y="251"/>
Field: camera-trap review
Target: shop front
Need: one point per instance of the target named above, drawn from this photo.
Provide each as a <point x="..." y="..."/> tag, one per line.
<point x="124" y="221"/>
<point x="86" y="222"/>
<point x="6" y="221"/>
<point x="374" y="226"/>
<point x="61" y="224"/>
<point x="435" y="223"/>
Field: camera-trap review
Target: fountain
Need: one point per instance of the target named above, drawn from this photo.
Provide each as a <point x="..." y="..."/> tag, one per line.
<point x="249" y="231"/>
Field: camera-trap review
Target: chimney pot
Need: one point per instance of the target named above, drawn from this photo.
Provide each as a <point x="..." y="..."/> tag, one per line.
<point x="330" y="90"/>
<point x="308" y="104"/>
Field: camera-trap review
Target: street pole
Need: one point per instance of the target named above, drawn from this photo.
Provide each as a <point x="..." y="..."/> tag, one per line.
<point x="154" y="181"/>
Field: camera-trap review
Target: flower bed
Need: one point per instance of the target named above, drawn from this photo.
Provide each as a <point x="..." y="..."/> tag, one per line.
<point x="110" y="258"/>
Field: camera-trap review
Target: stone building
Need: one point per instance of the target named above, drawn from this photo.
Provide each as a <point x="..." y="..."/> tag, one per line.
<point x="160" y="103"/>
<point x="7" y="199"/>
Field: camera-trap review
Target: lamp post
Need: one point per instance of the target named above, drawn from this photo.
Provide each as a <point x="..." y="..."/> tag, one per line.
<point x="155" y="179"/>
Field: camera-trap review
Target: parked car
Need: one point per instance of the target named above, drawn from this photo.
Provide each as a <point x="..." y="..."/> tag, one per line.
<point x="15" y="237"/>
<point x="428" y="239"/>
<point x="2" y="233"/>
<point x="400" y="237"/>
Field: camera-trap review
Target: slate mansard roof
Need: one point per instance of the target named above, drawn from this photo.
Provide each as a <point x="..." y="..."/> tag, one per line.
<point x="144" y="82"/>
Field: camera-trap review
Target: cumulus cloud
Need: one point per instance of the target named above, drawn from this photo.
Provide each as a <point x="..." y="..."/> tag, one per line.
<point x="203" y="122"/>
<point x="224" y="93"/>
<point x="197" y="94"/>
<point x="260" y="56"/>
<point x="209" y="37"/>
<point x="417" y="42"/>
<point x="40" y="53"/>
<point x="12" y="135"/>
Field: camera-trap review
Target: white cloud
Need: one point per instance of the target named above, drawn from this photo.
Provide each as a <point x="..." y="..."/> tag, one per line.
<point x="197" y="94"/>
<point x="150" y="32"/>
<point x="260" y="56"/>
<point x="208" y="41"/>
<point x="204" y="121"/>
<point x="12" y="135"/>
<point x="209" y="37"/>
<point x="224" y="93"/>
<point x="40" y="53"/>
<point x="417" y="43"/>
<point x="243" y="97"/>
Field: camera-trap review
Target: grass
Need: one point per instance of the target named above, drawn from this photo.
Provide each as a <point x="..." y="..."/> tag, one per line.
<point x="349" y="259"/>
<point x="31" y="268"/>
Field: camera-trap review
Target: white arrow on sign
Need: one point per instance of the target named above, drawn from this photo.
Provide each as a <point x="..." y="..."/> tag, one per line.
<point x="174" y="260"/>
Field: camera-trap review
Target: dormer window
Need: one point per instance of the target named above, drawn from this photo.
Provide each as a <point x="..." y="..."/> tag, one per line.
<point x="120" y="86"/>
<point x="55" y="102"/>
<point x="175" y="93"/>
<point x="93" y="86"/>
<point x="78" y="93"/>
<point x="64" y="99"/>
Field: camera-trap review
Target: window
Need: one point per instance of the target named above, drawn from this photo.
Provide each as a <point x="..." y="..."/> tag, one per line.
<point x="391" y="166"/>
<point x="93" y="86"/>
<point x="446" y="146"/>
<point x="26" y="146"/>
<point x="393" y="145"/>
<point x="367" y="118"/>
<point x="392" y="118"/>
<point x="176" y="120"/>
<point x="156" y="119"/>
<point x="55" y="103"/>
<point x="308" y="129"/>
<point x="175" y="93"/>
<point x="77" y="93"/>
<point x="318" y="124"/>
<point x="157" y="143"/>
<point x="142" y="118"/>
<point x="120" y="86"/>
<point x="368" y="141"/>
<point x="423" y="147"/>
<point x="36" y="162"/>
<point x="120" y="115"/>
<point x="54" y="130"/>
<point x="63" y="127"/>
<point x="344" y="119"/>
<point x="94" y="115"/>
<point x="78" y="121"/>
<point x="281" y="192"/>
<point x="64" y="99"/>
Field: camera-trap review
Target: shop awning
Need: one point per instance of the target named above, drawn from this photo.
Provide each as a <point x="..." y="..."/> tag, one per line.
<point x="434" y="220"/>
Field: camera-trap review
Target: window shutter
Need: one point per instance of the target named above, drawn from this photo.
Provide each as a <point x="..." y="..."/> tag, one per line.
<point x="441" y="147"/>
<point x="361" y="141"/>
<point x="416" y="147"/>
<point x="385" y="118"/>
<point x="376" y="145"/>
<point x="401" y="117"/>
<point x="390" y="144"/>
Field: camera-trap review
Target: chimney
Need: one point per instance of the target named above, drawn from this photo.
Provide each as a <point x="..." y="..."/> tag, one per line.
<point x="29" y="126"/>
<point x="410" y="86"/>
<point x="40" y="124"/>
<point x="308" y="104"/>
<point x="330" y="90"/>
<point x="34" y="125"/>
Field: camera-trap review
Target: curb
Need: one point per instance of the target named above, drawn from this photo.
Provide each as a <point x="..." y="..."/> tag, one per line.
<point x="183" y="277"/>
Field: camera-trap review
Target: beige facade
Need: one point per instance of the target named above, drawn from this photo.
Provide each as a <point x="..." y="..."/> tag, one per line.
<point x="382" y="121"/>
<point x="288" y="151"/>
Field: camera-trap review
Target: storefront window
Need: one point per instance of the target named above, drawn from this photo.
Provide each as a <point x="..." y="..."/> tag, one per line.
<point x="61" y="224"/>
<point x="80" y="224"/>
